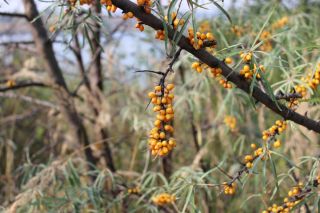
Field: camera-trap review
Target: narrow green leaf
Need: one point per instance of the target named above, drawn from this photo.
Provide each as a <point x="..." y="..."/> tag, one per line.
<point x="222" y="10"/>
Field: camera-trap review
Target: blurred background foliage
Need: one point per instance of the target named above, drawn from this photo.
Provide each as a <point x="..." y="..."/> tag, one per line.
<point x="43" y="169"/>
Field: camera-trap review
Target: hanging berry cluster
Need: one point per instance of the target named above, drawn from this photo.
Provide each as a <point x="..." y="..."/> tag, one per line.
<point x="145" y="4"/>
<point x="161" y="141"/>
<point x="215" y="72"/>
<point x="276" y="129"/>
<point x="247" y="71"/>
<point x="201" y="38"/>
<point x="163" y="199"/>
<point x="231" y="122"/>
<point x="175" y="21"/>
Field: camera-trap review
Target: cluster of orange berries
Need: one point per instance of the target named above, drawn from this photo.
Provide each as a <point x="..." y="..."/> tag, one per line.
<point x="198" y="66"/>
<point x="82" y="2"/>
<point x="145" y="4"/>
<point x="175" y="21"/>
<point x="267" y="43"/>
<point x="237" y="30"/>
<point x="135" y="190"/>
<point x="10" y="83"/>
<point x="160" y="34"/>
<point x="231" y="122"/>
<point x="249" y="159"/>
<point x="160" y="142"/>
<point x="216" y="72"/>
<point x="163" y="199"/>
<point x="201" y="38"/>
<point x="246" y="57"/>
<point x="280" y="23"/>
<point x="312" y="80"/>
<point x="110" y="7"/>
<point x="248" y="73"/>
<point x="139" y="25"/>
<point x="127" y="15"/>
<point x="229" y="189"/>
<point x="295" y="195"/>
<point x="288" y="202"/>
<point x="277" y="128"/>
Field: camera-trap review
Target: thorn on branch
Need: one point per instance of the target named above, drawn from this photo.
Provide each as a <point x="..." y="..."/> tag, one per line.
<point x="151" y="71"/>
<point x="288" y="96"/>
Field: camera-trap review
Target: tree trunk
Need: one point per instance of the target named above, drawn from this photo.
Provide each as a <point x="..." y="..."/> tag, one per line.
<point x="65" y="101"/>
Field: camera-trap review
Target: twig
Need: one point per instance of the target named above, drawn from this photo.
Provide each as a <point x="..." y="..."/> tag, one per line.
<point x="23" y="85"/>
<point x="15" y="15"/>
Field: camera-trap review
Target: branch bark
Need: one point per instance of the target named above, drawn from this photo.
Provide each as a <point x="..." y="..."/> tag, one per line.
<point x="210" y="60"/>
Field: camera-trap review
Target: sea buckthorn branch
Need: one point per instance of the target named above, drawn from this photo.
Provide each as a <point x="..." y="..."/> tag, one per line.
<point x="13" y="85"/>
<point x="161" y="141"/>
<point x="210" y="60"/>
<point x="259" y="153"/>
<point x="296" y="195"/>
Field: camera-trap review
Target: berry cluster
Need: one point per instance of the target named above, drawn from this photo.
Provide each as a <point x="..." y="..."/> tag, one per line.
<point x="198" y="66"/>
<point x="83" y="1"/>
<point x="135" y="190"/>
<point x="201" y="39"/>
<point x="216" y="73"/>
<point x="161" y="142"/>
<point x="275" y="129"/>
<point x="175" y="21"/>
<point x="139" y="25"/>
<point x="145" y="4"/>
<point x="280" y="23"/>
<point x="160" y="34"/>
<point x="246" y="57"/>
<point x="128" y="15"/>
<point x="229" y="189"/>
<point x="295" y="196"/>
<point x="237" y="30"/>
<point x="163" y="199"/>
<point x="248" y="73"/>
<point x="10" y="83"/>
<point x="267" y="42"/>
<point x="231" y="122"/>
<point x="112" y="8"/>
<point x="312" y="80"/>
<point x="226" y="84"/>
<point x="106" y="2"/>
